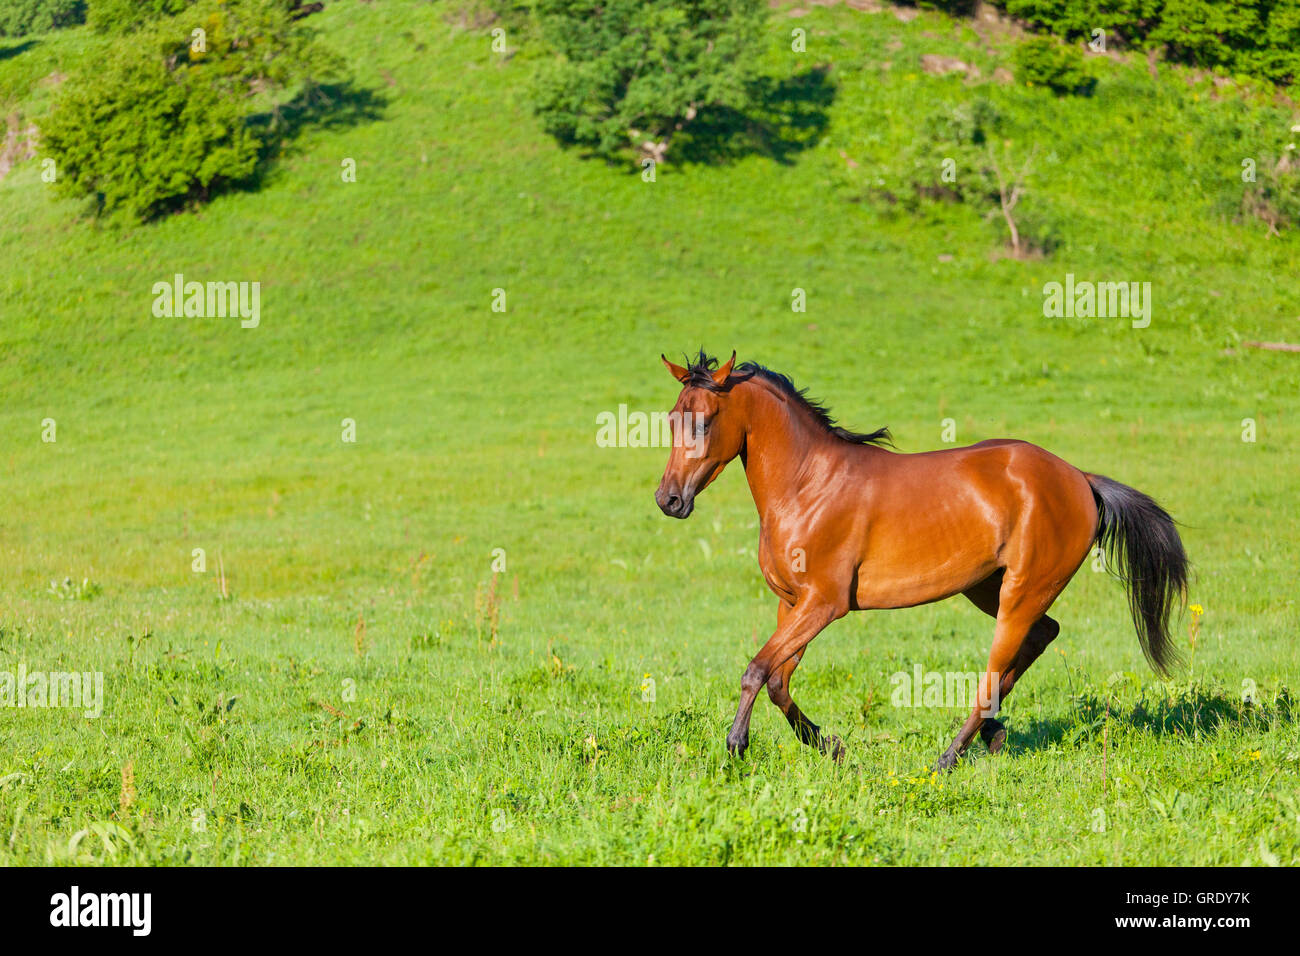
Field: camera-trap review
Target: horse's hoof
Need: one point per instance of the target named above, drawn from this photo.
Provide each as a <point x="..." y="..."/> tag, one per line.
<point x="946" y="762"/>
<point x="738" y="746"/>
<point x="993" y="734"/>
<point x="833" y="747"/>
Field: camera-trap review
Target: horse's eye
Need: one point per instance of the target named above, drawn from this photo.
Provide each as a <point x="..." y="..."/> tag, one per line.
<point x="701" y="426"/>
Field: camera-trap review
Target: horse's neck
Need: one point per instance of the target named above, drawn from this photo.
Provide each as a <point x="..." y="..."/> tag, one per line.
<point x="780" y="445"/>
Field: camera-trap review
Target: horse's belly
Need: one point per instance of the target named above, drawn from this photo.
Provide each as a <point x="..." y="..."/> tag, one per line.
<point x="926" y="562"/>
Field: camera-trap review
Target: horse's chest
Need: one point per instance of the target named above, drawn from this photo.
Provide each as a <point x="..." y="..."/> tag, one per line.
<point x="781" y="566"/>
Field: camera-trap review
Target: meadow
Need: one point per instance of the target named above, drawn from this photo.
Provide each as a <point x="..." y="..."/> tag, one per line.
<point x="469" y="636"/>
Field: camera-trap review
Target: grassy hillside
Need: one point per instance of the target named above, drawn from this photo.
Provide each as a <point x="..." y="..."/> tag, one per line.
<point x="273" y="727"/>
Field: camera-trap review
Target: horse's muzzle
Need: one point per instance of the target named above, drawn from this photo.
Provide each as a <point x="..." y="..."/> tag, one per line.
<point x="678" y="505"/>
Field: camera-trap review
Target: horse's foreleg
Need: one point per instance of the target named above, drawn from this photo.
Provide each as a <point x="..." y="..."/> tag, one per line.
<point x="795" y="628"/>
<point x="778" y="689"/>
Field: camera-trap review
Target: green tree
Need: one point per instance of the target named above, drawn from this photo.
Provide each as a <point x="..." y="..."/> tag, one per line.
<point x="632" y="73"/>
<point x="164" y="118"/>
<point x="21" y="17"/>
<point x="123" y="16"/>
<point x="1049" y="63"/>
<point x="958" y="155"/>
<point x="1259" y="38"/>
<point x="1273" y="196"/>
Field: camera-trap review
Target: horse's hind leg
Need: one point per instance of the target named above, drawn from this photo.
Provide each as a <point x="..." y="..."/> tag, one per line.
<point x="778" y="689"/>
<point x="1021" y="635"/>
<point x="985" y="597"/>
<point x="1040" y="635"/>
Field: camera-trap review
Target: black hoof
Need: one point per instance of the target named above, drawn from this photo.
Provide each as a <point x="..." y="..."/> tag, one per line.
<point x="738" y="746"/>
<point x="833" y="747"/>
<point x="946" y="762"/>
<point x="993" y="734"/>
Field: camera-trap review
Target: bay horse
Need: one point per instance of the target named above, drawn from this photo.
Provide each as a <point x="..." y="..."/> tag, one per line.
<point x="846" y="524"/>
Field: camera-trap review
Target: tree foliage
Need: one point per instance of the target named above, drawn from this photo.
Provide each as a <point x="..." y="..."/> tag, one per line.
<point x="123" y="16"/>
<point x="164" y="119"/>
<point x="1259" y="38"/>
<point x="1273" y="194"/>
<point x="1049" y="63"/>
<point x="21" y="17"/>
<point x="631" y="73"/>
<point x="960" y="155"/>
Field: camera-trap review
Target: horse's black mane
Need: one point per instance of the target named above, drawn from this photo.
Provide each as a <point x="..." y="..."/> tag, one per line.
<point x="699" y="373"/>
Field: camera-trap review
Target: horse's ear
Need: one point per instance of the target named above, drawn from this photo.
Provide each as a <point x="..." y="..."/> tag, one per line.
<point x="679" y="373"/>
<point x="720" y="376"/>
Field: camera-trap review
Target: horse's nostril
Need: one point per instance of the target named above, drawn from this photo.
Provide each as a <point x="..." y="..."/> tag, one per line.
<point x="673" y="501"/>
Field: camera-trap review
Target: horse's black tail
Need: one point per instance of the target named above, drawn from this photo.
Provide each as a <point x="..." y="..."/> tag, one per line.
<point x="1143" y="548"/>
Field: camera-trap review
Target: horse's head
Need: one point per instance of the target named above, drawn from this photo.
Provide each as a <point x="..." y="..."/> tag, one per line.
<point x="706" y="433"/>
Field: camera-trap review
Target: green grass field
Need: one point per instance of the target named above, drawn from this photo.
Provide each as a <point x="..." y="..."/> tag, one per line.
<point x="493" y="718"/>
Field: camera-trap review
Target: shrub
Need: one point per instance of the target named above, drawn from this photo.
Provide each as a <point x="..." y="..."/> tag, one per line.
<point x="1278" y="54"/>
<point x="141" y="138"/>
<point x="1127" y="21"/>
<point x="958" y="155"/>
<point x="21" y="17"/>
<point x="1274" y="196"/>
<point x="1209" y="32"/>
<point x="158" y="123"/>
<point x="1046" y="62"/>
<point x="123" y="16"/>
<point x="633" y="72"/>
<point x="945" y="160"/>
<point x="1259" y="38"/>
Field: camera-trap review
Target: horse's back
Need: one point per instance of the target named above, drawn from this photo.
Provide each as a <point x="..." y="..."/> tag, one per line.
<point x="1029" y="473"/>
<point x="944" y="520"/>
<point x="1045" y="495"/>
<point x="1015" y="454"/>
